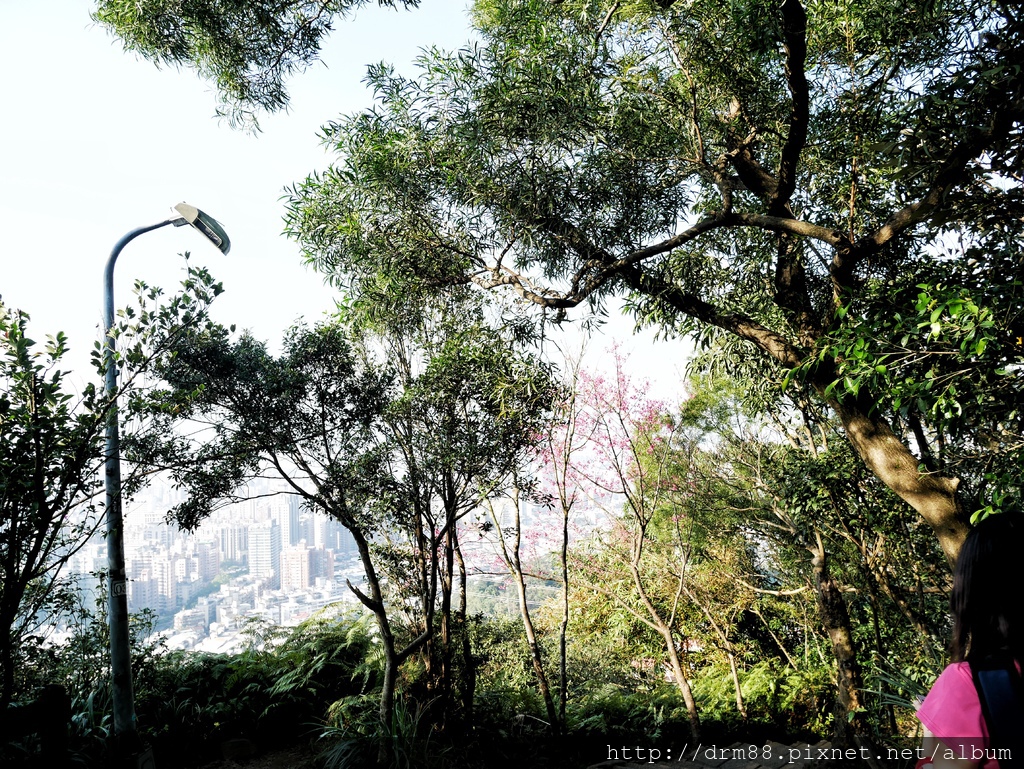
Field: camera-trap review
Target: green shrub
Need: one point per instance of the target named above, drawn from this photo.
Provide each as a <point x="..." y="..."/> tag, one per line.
<point x="355" y="736"/>
<point x="278" y="687"/>
<point x="792" y="701"/>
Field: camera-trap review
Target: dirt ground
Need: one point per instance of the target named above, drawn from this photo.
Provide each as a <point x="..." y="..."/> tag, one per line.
<point x="292" y="758"/>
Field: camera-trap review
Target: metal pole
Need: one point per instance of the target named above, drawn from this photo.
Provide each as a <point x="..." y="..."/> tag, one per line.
<point x="126" y="737"/>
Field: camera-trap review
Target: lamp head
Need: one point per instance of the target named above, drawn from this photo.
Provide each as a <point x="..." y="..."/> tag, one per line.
<point x="211" y="229"/>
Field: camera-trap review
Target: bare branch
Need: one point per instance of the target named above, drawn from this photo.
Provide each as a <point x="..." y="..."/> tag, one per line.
<point x="604" y="24"/>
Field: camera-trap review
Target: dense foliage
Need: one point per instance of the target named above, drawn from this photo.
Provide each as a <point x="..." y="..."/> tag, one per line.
<point x="835" y="186"/>
<point x="50" y="452"/>
<point x="248" y="49"/>
<point x="709" y="549"/>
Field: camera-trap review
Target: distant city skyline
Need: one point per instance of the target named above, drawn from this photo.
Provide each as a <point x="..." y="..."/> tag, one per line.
<point x="268" y="559"/>
<point x="263" y="558"/>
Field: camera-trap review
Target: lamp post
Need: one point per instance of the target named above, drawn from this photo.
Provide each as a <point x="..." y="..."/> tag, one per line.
<point x="126" y="738"/>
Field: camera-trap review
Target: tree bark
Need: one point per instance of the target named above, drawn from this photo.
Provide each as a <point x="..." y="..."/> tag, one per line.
<point x="849" y="680"/>
<point x="511" y="556"/>
<point x="468" y="682"/>
<point x="535" y="652"/>
<point x="563" y="626"/>
<point x="933" y="496"/>
<point x="681" y="680"/>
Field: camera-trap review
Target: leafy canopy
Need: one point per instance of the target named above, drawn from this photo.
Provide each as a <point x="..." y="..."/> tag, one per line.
<point x="783" y="180"/>
<point x="247" y="49"/>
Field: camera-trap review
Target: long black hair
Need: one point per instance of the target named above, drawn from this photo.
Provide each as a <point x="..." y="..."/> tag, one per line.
<point x="988" y="590"/>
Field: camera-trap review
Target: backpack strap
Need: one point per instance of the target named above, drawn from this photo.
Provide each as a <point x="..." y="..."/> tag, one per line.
<point x="1002" y="702"/>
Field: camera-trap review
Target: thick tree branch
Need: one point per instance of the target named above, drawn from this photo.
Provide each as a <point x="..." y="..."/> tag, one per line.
<point x="932" y="496"/>
<point x="786" y="225"/>
<point x="598" y="266"/>
<point x="750" y="171"/>
<point x="794" y="25"/>
<point x="790" y="279"/>
<point x="772" y="343"/>
<point x="791" y="293"/>
<point x="953" y="172"/>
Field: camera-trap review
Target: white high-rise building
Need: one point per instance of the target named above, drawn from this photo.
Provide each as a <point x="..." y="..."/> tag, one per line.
<point x="208" y="558"/>
<point x="295" y="568"/>
<point x="234" y="543"/>
<point x="265" y="551"/>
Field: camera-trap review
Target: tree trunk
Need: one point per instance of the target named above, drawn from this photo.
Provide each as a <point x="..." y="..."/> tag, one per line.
<point x="932" y="496"/>
<point x="563" y="627"/>
<point x="513" y="562"/>
<point x="836" y="620"/>
<point x="535" y="654"/>
<point x="387" y="703"/>
<point x="392" y="658"/>
<point x="387" y="696"/>
<point x="468" y="682"/>
<point x="656" y="621"/>
<point x="679" y="675"/>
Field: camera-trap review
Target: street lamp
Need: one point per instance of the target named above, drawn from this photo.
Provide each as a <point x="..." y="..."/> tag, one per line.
<point x="126" y="738"/>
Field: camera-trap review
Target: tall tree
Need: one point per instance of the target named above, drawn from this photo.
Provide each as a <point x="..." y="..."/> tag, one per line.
<point x="630" y="475"/>
<point x="507" y="520"/>
<point x="310" y="416"/>
<point x="783" y="175"/>
<point x="396" y="444"/>
<point x="560" y="479"/>
<point x="821" y="525"/>
<point x="51" y="452"/>
<point x="52" y="448"/>
<point x="472" y="406"/>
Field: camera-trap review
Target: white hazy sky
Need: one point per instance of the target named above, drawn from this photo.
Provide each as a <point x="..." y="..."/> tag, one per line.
<point x="95" y="142"/>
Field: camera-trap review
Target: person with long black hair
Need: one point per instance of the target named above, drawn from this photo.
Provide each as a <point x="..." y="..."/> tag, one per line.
<point x="974" y="714"/>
